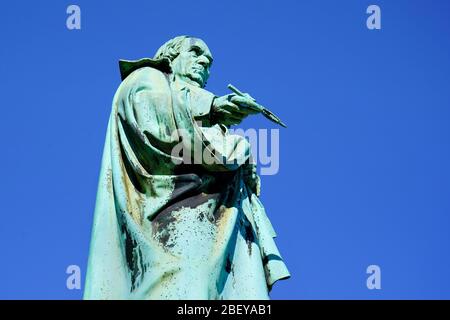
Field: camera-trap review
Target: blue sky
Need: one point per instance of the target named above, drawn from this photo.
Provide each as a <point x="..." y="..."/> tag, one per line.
<point x="364" y="165"/>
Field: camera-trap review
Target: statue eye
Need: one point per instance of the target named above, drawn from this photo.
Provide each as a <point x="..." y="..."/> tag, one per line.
<point x="196" y="50"/>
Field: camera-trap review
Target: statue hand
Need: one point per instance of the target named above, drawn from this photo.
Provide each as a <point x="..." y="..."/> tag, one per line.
<point x="231" y="109"/>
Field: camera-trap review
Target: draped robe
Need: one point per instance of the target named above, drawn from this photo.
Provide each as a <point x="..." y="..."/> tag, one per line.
<point x="168" y="229"/>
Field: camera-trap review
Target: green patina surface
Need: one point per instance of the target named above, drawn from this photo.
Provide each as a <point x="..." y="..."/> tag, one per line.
<point x="165" y="228"/>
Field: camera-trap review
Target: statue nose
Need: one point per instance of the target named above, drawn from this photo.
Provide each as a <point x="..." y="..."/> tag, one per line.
<point x="202" y="60"/>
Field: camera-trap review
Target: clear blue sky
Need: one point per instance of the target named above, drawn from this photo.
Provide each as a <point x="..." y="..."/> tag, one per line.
<point x="364" y="165"/>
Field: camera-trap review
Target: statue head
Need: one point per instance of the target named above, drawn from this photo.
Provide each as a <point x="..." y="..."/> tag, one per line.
<point x="190" y="59"/>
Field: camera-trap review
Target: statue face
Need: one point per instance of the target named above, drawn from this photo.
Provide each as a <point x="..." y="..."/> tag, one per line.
<point x="193" y="63"/>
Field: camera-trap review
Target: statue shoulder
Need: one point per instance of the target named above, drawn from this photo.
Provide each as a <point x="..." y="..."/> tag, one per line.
<point x="147" y="77"/>
<point x="149" y="74"/>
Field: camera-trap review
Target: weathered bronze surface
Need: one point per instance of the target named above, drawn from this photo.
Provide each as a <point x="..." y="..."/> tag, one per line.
<point x="167" y="226"/>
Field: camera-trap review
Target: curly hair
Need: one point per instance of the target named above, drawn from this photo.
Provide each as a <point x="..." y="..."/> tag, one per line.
<point x="171" y="49"/>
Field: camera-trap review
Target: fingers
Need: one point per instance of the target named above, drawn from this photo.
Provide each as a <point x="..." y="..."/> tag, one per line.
<point x="230" y="96"/>
<point x="234" y="109"/>
<point x="241" y="110"/>
<point x="249" y="105"/>
<point x="246" y="95"/>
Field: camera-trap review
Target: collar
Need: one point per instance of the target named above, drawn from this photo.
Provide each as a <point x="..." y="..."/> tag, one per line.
<point x="128" y="66"/>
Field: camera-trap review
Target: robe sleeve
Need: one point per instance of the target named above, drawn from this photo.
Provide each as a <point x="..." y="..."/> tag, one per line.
<point x="160" y="124"/>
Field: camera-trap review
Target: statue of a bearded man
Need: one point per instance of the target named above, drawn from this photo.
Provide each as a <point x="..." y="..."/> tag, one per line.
<point x="168" y="225"/>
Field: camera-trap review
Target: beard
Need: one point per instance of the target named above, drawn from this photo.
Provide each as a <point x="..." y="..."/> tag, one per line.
<point x="197" y="75"/>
